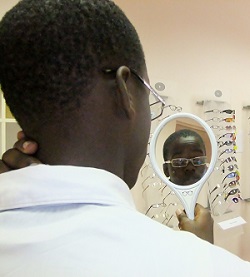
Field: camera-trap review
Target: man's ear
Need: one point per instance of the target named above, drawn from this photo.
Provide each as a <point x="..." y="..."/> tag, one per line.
<point x="125" y="99"/>
<point x="165" y="169"/>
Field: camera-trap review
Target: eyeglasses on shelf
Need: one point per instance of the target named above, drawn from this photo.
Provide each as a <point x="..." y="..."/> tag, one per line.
<point x="227" y="143"/>
<point x="228" y="160"/>
<point x="173" y="108"/>
<point x="228" y="151"/>
<point x="231" y="167"/>
<point x="219" y="119"/>
<point x="236" y="199"/>
<point x="231" y="192"/>
<point x="229" y="127"/>
<point x="215" y="119"/>
<point x="221" y="111"/>
<point x="235" y="174"/>
<point x="228" y="119"/>
<point x="228" y="135"/>
<point x="153" y="206"/>
<point x="231" y="184"/>
<point x="214" y="189"/>
<point x="219" y="127"/>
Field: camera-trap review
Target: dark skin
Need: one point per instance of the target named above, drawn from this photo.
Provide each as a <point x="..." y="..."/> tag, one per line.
<point x="20" y="156"/>
<point x="118" y="98"/>
<point x="185" y="147"/>
<point x="201" y="226"/>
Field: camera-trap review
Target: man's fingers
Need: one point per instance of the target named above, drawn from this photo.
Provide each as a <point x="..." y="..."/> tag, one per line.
<point x="182" y="217"/>
<point x="16" y="159"/>
<point x="20" y="135"/>
<point x="26" y="146"/>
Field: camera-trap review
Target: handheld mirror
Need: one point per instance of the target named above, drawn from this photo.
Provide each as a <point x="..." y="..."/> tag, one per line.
<point x="183" y="153"/>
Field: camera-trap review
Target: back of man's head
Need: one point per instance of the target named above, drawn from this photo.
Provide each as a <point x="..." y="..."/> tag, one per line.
<point x="52" y="50"/>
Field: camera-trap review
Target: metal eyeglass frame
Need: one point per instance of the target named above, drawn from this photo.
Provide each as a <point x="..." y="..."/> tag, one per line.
<point x="187" y="160"/>
<point x="148" y="86"/>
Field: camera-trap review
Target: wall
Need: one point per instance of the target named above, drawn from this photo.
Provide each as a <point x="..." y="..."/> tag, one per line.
<point x="195" y="48"/>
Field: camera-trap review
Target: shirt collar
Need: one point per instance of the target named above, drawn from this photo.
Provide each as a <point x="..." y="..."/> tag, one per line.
<point x="50" y="185"/>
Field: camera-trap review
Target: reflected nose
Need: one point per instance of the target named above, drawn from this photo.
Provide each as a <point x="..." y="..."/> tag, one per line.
<point x="190" y="167"/>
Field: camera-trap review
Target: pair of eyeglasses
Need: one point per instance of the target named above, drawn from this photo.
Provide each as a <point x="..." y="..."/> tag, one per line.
<point x="228" y="111"/>
<point x="231" y="167"/>
<point x="218" y="119"/>
<point x="215" y="119"/>
<point x="235" y="174"/>
<point x="154" y="206"/>
<point x="227" y="143"/>
<point x="183" y="162"/>
<point x="228" y="119"/>
<point x="228" y="151"/>
<point x="231" y="192"/>
<point x="215" y="188"/>
<point x="217" y="196"/>
<point x="228" y="135"/>
<point x="216" y="127"/>
<point x="228" y="160"/>
<point x="157" y="106"/>
<point x="229" y="128"/>
<point x="219" y="111"/>
<point x="174" y="108"/>
<point x="236" y="199"/>
<point x="231" y="184"/>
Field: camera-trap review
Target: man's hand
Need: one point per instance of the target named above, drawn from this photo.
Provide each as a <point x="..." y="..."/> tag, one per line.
<point x="20" y="155"/>
<point x="201" y="226"/>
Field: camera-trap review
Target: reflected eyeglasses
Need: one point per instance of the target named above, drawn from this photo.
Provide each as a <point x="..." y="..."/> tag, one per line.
<point x="183" y="162"/>
<point x="158" y="105"/>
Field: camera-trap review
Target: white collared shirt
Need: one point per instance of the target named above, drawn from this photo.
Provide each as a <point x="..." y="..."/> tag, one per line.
<point x="75" y="221"/>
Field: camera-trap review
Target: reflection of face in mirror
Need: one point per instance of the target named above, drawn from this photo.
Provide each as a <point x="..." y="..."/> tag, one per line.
<point x="184" y="156"/>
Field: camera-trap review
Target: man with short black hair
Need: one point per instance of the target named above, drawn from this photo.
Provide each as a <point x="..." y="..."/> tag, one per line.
<point x="74" y="76"/>
<point x="185" y="160"/>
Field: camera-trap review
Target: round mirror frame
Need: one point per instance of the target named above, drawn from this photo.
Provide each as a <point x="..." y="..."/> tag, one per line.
<point x="187" y="194"/>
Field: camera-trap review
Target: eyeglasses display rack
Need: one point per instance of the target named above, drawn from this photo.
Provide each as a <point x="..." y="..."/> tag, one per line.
<point x="224" y="183"/>
<point x="161" y="202"/>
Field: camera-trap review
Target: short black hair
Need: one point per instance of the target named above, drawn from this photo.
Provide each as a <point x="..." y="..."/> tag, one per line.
<point x="176" y="135"/>
<point x="51" y="49"/>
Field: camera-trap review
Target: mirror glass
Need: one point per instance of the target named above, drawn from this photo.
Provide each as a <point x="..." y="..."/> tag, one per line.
<point x="183" y="152"/>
